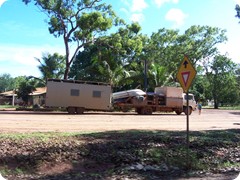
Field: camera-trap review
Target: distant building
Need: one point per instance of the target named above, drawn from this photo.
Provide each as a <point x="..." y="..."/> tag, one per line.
<point x="36" y="97"/>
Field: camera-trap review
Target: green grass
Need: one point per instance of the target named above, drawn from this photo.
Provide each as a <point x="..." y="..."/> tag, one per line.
<point x="223" y="107"/>
<point x="39" y="135"/>
<point x="230" y="107"/>
<point x="7" y="106"/>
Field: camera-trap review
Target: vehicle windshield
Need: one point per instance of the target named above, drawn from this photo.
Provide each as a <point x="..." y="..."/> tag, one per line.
<point x="190" y="97"/>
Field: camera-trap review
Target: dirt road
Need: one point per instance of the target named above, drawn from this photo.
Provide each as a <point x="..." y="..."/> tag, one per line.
<point x="23" y="121"/>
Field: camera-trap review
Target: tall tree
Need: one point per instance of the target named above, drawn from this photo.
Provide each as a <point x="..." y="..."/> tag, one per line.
<point x="78" y="22"/>
<point x="111" y="58"/>
<point x="166" y="48"/>
<point x="222" y="81"/>
<point x="237" y="8"/>
<point x="6" y="82"/>
<point x="200" y="42"/>
<point x="51" y="66"/>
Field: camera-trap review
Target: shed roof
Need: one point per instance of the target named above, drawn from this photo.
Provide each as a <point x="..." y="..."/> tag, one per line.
<point x="38" y="91"/>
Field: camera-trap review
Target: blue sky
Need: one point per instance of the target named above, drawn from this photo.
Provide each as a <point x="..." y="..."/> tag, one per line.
<point x="24" y="32"/>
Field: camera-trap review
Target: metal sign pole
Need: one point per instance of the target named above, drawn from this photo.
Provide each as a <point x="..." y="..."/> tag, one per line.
<point x="188" y="161"/>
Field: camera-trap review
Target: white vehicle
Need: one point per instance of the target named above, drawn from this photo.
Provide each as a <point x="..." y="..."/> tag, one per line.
<point x="192" y="104"/>
<point x="78" y="96"/>
<point x="163" y="99"/>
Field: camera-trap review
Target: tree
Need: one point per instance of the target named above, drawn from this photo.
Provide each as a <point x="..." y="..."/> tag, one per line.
<point x="222" y="81"/>
<point x="26" y="87"/>
<point x="200" y="42"/>
<point x="6" y="82"/>
<point x="166" y="49"/>
<point x="51" y="66"/>
<point x="78" y="22"/>
<point x="237" y="8"/>
<point x="111" y="58"/>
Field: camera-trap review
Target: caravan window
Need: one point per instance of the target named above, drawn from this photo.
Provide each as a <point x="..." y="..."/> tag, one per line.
<point x="75" y="92"/>
<point x="97" y="94"/>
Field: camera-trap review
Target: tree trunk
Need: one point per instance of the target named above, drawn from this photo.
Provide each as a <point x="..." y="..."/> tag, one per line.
<point x="66" y="71"/>
<point x="215" y="104"/>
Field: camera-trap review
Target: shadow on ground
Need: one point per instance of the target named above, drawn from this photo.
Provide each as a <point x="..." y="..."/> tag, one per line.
<point x="122" y="154"/>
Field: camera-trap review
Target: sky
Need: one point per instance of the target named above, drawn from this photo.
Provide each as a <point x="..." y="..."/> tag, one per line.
<point x="24" y="33"/>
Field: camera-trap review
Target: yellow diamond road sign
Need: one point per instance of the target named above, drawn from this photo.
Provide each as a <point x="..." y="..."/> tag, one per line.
<point x="186" y="74"/>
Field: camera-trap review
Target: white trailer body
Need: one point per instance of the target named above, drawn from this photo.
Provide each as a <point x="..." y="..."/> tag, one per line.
<point x="78" y="96"/>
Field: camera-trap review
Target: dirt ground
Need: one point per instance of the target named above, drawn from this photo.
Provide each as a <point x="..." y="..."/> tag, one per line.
<point x="28" y="121"/>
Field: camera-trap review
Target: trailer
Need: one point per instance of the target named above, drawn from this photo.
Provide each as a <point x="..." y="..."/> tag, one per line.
<point x="163" y="99"/>
<point x="78" y="96"/>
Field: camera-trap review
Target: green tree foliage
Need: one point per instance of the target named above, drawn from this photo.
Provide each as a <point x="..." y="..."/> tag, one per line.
<point x="222" y="81"/>
<point x="51" y="66"/>
<point x="162" y="54"/>
<point x="6" y="82"/>
<point x="166" y="49"/>
<point x="237" y="8"/>
<point x="25" y="87"/>
<point x="111" y="58"/>
<point x="78" y="22"/>
<point x="120" y="57"/>
<point x="199" y="42"/>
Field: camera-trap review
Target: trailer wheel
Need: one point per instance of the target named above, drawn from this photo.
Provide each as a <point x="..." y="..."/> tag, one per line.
<point x="71" y="110"/>
<point x="79" y="110"/>
<point x="146" y="111"/>
<point x="178" y="112"/>
<point x="139" y="110"/>
<point x="189" y="110"/>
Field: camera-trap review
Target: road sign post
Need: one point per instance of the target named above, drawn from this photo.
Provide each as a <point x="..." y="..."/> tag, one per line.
<point x="185" y="76"/>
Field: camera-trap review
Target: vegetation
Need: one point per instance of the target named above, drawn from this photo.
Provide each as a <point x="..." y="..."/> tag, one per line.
<point x="128" y="59"/>
<point x="51" y="66"/>
<point x="77" y="22"/>
<point x="6" y="83"/>
<point x="222" y="82"/>
<point x="25" y="88"/>
<point x="119" y="155"/>
<point x="237" y="8"/>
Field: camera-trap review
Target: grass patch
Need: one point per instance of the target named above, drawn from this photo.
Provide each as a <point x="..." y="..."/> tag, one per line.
<point x="7" y="106"/>
<point x="230" y="107"/>
<point x="39" y="135"/>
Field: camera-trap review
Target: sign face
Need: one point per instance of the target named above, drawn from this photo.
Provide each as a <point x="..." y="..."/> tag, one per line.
<point x="186" y="74"/>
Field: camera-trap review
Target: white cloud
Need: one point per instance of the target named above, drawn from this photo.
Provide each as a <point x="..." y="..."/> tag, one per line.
<point x="2" y="2"/>
<point x="126" y="2"/>
<point x="138" y="5"/>
<point x="134" y="9"/>
<point x="159" y="3"/>
<point x="137" y="17"/>
<point x="237" y="1"/>
<point x="125" y="11"/>
<point x="20" y="59"/>
<point x="231" y="50"/>
<point x="177" y="16"/>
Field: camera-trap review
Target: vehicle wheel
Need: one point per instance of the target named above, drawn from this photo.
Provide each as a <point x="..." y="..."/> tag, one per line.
<point x="125" y="109"/>
<point x="189" y="110"/>
<point x="79" y="110"/>
<point x="146" y="111"/>
<point x="71" y="110"/>
<point x="178" y="112"/>
<point x="139" y="110"/>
